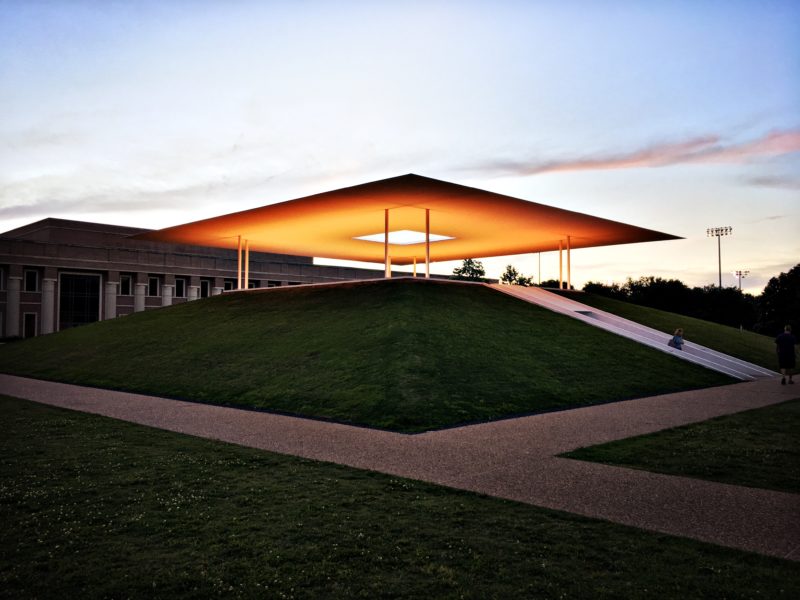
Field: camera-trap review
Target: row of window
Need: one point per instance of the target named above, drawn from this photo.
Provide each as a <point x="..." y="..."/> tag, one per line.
<point x="30" y="283"/>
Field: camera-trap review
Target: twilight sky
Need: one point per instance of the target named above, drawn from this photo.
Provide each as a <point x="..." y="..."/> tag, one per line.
<point x="675" y="116"/>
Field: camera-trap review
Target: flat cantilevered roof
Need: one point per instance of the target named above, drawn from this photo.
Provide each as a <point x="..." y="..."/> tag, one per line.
<point x="350" y="223"/>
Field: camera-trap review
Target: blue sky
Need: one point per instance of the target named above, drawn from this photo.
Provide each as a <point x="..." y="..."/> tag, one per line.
<point x="675" y="116"/>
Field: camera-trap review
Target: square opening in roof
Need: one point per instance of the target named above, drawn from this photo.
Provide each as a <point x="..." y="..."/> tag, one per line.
<point x="404" y="237"/>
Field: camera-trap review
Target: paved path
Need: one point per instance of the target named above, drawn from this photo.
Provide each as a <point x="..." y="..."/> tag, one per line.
<point x="512" y="459"/>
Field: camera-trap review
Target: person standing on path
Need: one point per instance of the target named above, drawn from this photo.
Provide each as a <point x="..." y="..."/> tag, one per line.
<point x="785" y="344"/>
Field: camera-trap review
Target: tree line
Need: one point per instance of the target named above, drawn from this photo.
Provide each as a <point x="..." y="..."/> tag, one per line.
<point x="776" y="306"/>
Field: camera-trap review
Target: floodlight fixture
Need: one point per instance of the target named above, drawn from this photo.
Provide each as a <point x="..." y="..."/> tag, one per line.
<point x="741" y="275"/>
<point x="718" y="232"/>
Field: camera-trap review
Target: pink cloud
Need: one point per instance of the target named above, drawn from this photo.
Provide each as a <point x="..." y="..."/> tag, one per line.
<point x="706" y="149"/>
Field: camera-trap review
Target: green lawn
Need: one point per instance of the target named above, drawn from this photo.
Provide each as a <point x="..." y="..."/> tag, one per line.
<point x="97" y="508"/>
<point x="404" y="355"/>
<point x="756" y="448"/>
<point x="752" y="347"/>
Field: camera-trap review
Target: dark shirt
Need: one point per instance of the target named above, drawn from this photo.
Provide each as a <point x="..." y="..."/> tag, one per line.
<point x="786" y="343"/>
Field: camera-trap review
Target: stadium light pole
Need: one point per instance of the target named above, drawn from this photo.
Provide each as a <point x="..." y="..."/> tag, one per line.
<point x="741" y="275"/>
<point x="718" y="232"/>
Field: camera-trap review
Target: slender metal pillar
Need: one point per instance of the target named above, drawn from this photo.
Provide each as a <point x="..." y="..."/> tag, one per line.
<point x="247" y="264"/>
<point x="415" y="269"/>
<point x="427" y="243"/>
<point x="719" y="259"/>
<point x="569" y="266"/>
<point x="239" y="263"/>
<point x="540" y="268"/>
<point x="387" y="266"/>
<point x="560" y="266"/>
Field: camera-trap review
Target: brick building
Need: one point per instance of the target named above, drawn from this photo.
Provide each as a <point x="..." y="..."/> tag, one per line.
<point x="57" y="273"/>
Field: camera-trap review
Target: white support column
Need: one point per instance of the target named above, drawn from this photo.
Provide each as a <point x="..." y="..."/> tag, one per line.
<point x="110" y="300"/>
<point x="138" y="297"/>
<point x="569" y="266"/>
<point x="48" y="305"/>
<point x="387" y="265"/>
<point x="427" y="243"/>
<point x="239" y="263"/>
<point x="12" y="306"/>
<point x="415" y="266"/>
<point x="246" y="284"/>
<point x="166" y="295"/>
<point x="560" y="266"/>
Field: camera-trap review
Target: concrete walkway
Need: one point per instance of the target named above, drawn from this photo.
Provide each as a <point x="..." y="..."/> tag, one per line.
<point x="513" y="459"/>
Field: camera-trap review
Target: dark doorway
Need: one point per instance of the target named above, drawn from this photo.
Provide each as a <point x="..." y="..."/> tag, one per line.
<point x="79" y="299"/>
<point x="29" y="325"/>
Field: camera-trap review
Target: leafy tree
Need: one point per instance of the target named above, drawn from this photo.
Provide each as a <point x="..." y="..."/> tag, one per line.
<point x="510" y="275"/>
<point x="553" y="283"/>
<point x="524" y="280"/>
<point x="610" y="291"/>
<point x="470" y="269"/>
<point x="727" y="306"/>
<point x="779" y="303"/>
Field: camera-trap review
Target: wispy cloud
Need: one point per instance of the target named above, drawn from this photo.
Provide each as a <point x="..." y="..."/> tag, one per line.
<point x="770" y="218"/>
<point x="48" y="196"/>
<point x="703" y="149"/>
<point x="776" y="181"/>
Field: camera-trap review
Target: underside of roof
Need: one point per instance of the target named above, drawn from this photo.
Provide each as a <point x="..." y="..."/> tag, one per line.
<point x="480" y="223"/>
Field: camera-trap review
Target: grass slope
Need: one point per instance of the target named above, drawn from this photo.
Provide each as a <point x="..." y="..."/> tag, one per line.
<point x="756" y="448"/>
<point x="403" y="355"/>
<point x="98" y="508"/>
<point x="752" y="347"/>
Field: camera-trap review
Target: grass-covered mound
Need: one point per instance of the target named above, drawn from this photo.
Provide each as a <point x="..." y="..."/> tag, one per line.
<point x="752" y="347"/>
<point x="97" y="508"/>
<point x="401" y="354"/>
<point x="755" y="448"/>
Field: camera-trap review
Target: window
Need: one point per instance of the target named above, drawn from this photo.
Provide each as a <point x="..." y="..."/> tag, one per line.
<point x="31" y="280"/>
<point x="2" y="279"/>
<point x="180" y="288"/>
<point x="295" y="283"/>
<point x="252" y="284"/>
<point x="126" y="285"/>
<point x="205" y="288"/>
<point x="229" y="284"/>
<point x="272" y="283"/>
<point x="152" y="286"/>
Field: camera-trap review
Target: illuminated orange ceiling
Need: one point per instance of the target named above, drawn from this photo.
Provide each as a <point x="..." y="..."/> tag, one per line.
<point x="481" y="224"/>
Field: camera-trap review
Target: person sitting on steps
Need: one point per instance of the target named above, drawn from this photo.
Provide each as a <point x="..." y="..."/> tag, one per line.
<point x="677" y="339"/>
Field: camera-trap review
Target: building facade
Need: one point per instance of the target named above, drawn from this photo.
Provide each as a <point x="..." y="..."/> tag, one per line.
<point x="56" y="274"/>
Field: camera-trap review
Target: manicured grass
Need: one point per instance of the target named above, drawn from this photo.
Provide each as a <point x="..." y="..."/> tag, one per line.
<point x="752" y="347"/>
<point x="404" y="355"/>
<point x="756" y="448"/>
<point x="96" y="508"/>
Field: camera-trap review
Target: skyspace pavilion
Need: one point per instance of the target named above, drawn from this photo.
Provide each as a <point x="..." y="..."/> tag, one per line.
<point x="406" y="220"/>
